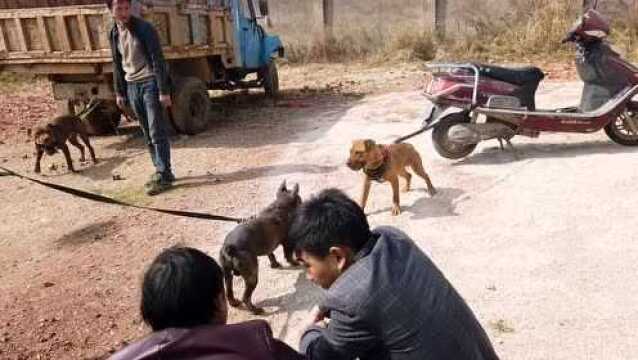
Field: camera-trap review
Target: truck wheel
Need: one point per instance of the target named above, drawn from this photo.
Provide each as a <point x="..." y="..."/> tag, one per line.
<point x="104" y="119"/>
<point x="442" y="143"/>
<point x="270" y="78"/>
<point x="191" y="106"/>
<point x="624" y="129"/>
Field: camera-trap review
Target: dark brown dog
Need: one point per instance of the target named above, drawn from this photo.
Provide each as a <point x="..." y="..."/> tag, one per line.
<point x="258" y="237"/>
<point x="386" y="163"/>
<point x="53" y="137"/>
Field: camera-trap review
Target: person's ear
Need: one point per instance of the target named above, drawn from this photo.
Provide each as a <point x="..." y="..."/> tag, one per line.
<point x="221" y="315"/>
<point x="343" y="257"/>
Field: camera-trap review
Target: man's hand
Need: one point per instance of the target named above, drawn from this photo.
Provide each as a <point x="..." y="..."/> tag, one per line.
<point x="317" y="317"/>
<point x="121" y="102"/>
<point x="166" y="101"/>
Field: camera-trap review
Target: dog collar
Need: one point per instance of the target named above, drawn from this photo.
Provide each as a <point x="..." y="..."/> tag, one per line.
<point x="377" y="173"/>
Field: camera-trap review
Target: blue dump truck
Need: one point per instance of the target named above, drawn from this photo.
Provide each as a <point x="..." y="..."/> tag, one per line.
<point x="208" y="44"/>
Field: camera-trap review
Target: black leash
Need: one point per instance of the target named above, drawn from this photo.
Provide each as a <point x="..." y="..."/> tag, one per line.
<point x="427" y="125"/>
<point x="107" y="200"/>
<point x="411" y="135"/>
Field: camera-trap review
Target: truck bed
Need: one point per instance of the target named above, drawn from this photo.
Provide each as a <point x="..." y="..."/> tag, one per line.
<point x="74" y="39"/>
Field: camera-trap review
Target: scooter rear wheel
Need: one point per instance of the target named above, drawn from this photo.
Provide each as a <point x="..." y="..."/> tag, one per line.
<point x="624" y="129"/>
<point x="441" y="141"/>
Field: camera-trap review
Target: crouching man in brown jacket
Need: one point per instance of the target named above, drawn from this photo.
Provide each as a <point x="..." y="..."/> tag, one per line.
<point x="183" y="302"/>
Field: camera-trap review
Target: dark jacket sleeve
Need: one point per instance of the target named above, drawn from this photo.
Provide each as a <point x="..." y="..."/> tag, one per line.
<point x="151" y="41"/>
<point x="346" y="337"/>
<point x="284" y="352"/>
<point x="277" y="348"/>
<point x="119" y="82"/>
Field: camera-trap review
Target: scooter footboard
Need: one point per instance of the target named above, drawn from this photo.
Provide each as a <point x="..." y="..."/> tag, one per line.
<point x="557" y="121"/>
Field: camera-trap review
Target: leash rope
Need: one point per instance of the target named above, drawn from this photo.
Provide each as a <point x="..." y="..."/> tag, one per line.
<point x="106" y="200"/>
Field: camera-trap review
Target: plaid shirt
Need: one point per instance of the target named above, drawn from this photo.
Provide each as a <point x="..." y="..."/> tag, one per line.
<point x="394" y="303"/>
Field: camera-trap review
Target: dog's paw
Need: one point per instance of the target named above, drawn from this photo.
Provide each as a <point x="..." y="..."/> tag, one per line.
<point x="234" y="302"/>
<point x="37" y="170"/>
<point x="275" y="265"/>
<point x="396" y="210"/>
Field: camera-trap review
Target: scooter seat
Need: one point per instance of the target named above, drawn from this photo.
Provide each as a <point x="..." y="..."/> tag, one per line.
<point x="516" y="76"/>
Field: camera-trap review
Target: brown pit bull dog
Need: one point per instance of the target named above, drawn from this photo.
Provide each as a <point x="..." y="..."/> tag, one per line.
<point x="53" y="137"/>
<point x="258" y="237"/>
<point x="386" y="163"/>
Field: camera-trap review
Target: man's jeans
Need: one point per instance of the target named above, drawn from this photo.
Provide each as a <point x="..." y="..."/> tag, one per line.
<point x="144" y="99"/>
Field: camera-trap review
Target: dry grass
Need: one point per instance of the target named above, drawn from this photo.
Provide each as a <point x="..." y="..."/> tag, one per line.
<point x="364" y="44"/>
<point x="524" y="31"/>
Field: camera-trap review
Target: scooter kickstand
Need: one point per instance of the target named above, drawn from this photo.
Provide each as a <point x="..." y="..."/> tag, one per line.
<point x="511" y="147"/>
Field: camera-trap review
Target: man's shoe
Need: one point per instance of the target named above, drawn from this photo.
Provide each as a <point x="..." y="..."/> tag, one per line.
<point x="158" y="187"/>
<point x="156" y="177"/>
<point x="168" y="177"/>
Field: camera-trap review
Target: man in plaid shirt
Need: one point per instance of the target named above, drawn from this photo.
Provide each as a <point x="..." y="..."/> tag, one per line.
<point x="385" y="298"/>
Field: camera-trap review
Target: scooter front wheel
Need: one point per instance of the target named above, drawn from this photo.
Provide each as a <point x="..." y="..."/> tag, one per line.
<point x="624" y="129"/>
<point x="441" y="140"/>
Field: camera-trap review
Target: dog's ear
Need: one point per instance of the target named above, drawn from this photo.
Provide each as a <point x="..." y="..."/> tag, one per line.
<point x="358" y="146"/>
<point x="295" y="190"/>
<point x="53" y="128"/>
<point x="282" y="187"/>
<point x="369" y="144"/>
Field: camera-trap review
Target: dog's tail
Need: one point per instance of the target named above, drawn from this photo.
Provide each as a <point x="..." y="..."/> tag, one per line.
<point x="229" y="260"/>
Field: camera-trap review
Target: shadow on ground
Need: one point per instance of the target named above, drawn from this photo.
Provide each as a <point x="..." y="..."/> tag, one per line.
<point x="304" y="296"/>
<point x="249" y="174"/>
<point x="261" y="121"/>
<point x="443" y="204"/>
<point x="494" y="156"/>
<point x="88" y="234"/>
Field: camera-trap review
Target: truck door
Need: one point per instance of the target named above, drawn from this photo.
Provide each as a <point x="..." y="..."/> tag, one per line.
<point x="251" y="36"/>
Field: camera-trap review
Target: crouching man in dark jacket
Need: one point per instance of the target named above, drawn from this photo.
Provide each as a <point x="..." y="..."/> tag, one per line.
<point x="385" y="298"/>
<point x="184" y="303"/>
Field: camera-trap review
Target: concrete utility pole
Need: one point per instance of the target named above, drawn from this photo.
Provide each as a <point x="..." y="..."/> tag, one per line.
<point x="587" y="4"/>
<point x="328" y="19"/>
<point x="435" y="15"/>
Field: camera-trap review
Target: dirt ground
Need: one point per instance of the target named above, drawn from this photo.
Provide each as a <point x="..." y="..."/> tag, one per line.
<point x="541" y="248"/>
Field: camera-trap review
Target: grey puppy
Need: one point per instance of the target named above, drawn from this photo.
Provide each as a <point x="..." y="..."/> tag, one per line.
<point x="258" y="237"/>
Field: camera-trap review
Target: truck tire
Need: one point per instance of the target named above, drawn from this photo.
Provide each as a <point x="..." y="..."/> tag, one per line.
<point x="104" y="119"/>
<point x="270" y="78"/>
<point x="191" y="106"/>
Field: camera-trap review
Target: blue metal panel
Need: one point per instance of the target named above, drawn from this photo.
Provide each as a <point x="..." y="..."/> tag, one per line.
<point x="272" y="44"/>
<point x="237" y="14"/>
<point x="253" y="48"/>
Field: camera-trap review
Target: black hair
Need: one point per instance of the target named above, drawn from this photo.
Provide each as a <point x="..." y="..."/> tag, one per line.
<point x="181" y="289"/>
<point x="109" y="3"/>
<point x="329" y="219"/>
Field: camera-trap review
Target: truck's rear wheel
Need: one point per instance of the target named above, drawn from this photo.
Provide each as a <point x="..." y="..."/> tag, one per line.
<point x="104" y="119"/>
<point x="270" y="78"/>
<point x="191" y="106"/>
<point x="442" y="144"/>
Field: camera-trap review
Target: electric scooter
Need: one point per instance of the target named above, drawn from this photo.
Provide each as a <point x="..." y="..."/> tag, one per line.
<point x="476" y="96"/>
